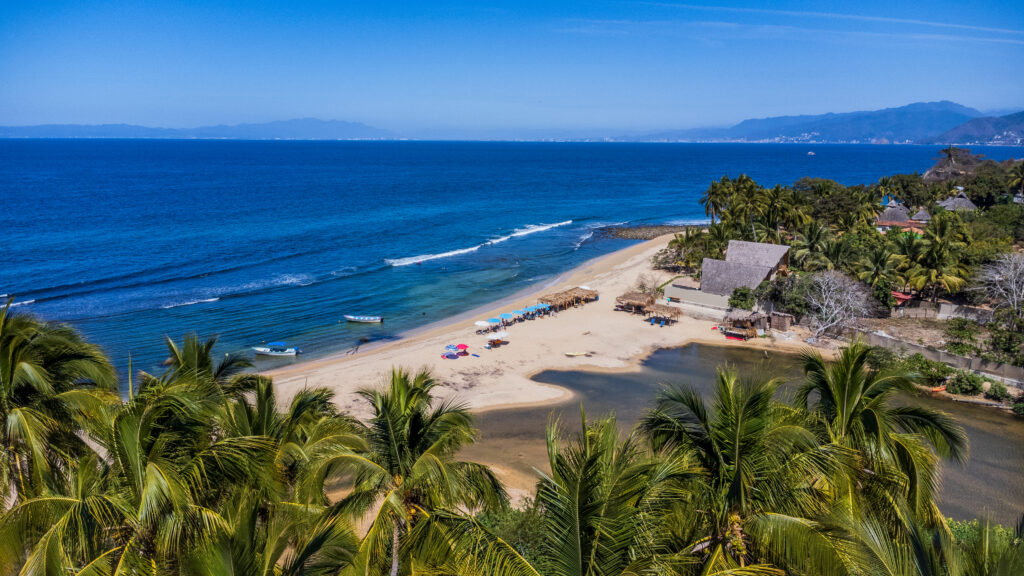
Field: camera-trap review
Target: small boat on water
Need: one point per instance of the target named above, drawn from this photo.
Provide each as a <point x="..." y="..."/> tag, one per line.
<point x="276" y="349"/>
<point x="364" y="319"/>
<point x="810" y="153"/>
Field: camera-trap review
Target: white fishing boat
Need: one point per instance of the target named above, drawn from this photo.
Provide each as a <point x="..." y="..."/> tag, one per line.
<point x="364" y="319"/>
<point x="276" y="349"/>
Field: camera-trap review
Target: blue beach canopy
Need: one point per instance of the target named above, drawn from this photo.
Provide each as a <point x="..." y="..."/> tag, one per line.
<point x="494" y="321"/>
<point x="506" y="315"/>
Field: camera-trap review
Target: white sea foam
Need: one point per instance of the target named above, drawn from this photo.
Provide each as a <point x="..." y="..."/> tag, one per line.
<point x="583" y="239"/>
<point x="190" y="302"/>
<point x="22" y="303"/>
<point x="531" y="229"/>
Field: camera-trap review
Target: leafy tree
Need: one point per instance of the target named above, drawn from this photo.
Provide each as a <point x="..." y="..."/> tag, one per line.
<point x="742" y="297"/>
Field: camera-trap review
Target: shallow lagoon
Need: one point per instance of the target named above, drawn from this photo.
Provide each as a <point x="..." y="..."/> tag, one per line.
<point x="990" y="482"/>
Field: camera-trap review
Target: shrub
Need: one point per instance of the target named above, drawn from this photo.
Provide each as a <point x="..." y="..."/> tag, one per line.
<point x="1018" y="408"/>
<point x="882" y="358"/>
<point x="965" y="383"/>
<point x="931" y="373"/>
<point x="997" y="391"/>
<point x="960" y="336"/>
<point x="742" y="297"/>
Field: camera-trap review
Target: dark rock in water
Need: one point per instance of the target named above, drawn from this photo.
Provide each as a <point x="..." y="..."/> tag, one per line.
<point x="644" y="232"/>
<point x="364" y="340"/>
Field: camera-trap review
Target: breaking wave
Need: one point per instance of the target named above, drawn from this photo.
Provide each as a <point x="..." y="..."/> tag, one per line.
<point x="525" y="231"/>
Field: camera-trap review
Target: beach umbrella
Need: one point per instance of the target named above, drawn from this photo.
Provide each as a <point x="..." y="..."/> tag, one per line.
<point x="530" y="308"/>
<point x="462" y="346"/>
<point x="519" y="312"/>
<point x="483" y="324"/>
<point x="543" y="306"/>
<point x="506" y="316"/>
<point x="451" y="348"/>
<point x="498" y="336"/>
<point x="494" y="320"/>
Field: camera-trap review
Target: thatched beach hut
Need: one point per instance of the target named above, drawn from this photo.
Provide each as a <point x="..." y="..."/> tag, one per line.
<point x="570" y="297"/>
<point x="958" y="203"/>
<point x="664" y="311"/>
<point x="634" y="301"/>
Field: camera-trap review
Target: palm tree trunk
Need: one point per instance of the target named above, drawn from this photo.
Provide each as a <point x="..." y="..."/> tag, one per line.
<point x="394" y="551"/>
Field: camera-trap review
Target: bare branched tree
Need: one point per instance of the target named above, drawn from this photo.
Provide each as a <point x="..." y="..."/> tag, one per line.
<point x="1003" y="282"/>
<point x="835" y="301"/>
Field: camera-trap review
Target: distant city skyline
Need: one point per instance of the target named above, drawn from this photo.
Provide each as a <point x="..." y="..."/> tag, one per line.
<point x="498" y="69"/>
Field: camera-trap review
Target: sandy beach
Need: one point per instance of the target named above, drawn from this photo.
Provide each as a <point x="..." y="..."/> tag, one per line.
<point x="500" y="378"/>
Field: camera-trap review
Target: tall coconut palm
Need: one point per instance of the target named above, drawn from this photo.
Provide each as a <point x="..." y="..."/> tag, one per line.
<point x="607" y="504"/>
<point x="1017" y="177"/>
<point x="197" y="356"/>
<point x="716" y="198"/>
<point x="879" y="267"/>
<point x="938" y="266"/>
<point x="855" y="404"/>
<point x="410" y="482"/>
<point x="809" y="246"/>
<point x="764" y="477"/>
<point x="154" y="500"/>
<point x="53" y="385"/>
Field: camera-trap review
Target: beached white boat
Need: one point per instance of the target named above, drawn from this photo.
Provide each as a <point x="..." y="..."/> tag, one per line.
<point x="365" y="319"/>
<point x="276" y="349"/>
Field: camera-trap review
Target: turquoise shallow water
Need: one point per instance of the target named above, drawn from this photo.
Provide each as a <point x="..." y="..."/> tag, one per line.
<point x="130" y="240"/>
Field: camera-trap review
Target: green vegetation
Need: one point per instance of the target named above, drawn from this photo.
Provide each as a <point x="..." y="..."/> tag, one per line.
<point x="203" y="470"/>
<point x="829" y="226"/>
<point x="742" y="297"/>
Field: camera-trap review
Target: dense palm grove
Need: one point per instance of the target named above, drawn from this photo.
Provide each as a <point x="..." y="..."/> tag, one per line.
<point x="831" y="227"/>
<point x="203" y="470"/>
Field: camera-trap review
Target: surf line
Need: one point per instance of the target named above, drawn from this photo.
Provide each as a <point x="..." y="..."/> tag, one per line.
<point x="526" y="230"/>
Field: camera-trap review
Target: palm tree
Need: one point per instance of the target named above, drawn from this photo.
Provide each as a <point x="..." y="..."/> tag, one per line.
<point x="837" y="254"/>
<point x="1017" y="177"/>
<point x="410" y="479"/>
<point x="197" y="356"/>
<point x="809" y="246"/>
<point x="52" y="383"/>
<point x="938" y="266"/>
<point x="154" y="500"/>
<point x="716" y="198"/>
<point x="763" y="476"/>
<point x="879" y="267"/>
<point x="855" y="405"/>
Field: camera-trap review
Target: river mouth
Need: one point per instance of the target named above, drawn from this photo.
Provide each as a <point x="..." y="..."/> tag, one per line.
<point x="512" y="440"/>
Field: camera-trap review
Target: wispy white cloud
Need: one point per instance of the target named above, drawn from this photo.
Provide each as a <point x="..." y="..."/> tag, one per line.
<point x="840" y="16"/>
<point x="600" y="27"/>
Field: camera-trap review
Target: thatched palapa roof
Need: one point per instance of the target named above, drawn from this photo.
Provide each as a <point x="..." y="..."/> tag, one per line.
<point x="755" y="253"/>
<point x="635" y="299"/>
<point x="664" y="311"/>
<point x="958" y="202"/>
<point x="894" y="214"/>
<point x="569" y="297"/>
<point x="722" y="277"/>
<point x="921" y="216"/>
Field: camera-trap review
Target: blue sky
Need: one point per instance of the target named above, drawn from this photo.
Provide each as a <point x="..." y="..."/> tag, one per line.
<point x="498" y="68"/>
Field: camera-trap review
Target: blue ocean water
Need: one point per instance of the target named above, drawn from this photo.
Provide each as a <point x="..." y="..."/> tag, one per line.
<point x="130" y="240"/>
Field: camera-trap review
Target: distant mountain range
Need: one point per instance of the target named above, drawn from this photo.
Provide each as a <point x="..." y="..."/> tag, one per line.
<point x="1007" y="129"/>
<point x="911" y="123"/>
<point x="299" y="129"/>
<point x="919" y="123"/>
